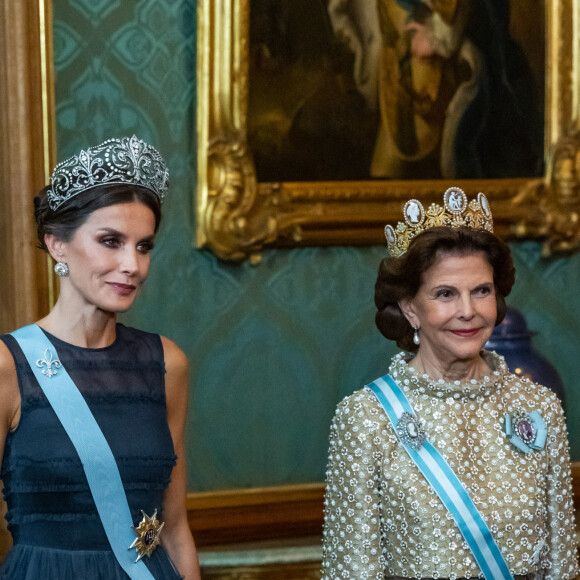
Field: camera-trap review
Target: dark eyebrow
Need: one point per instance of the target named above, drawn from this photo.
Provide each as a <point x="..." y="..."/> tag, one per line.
<point x="451" y="287"/>
<point x="111" y="231"/>
<point x="114" y="232"/>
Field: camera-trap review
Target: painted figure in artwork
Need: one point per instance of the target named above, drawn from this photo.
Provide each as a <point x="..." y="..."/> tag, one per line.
<point x="453" y="89"/>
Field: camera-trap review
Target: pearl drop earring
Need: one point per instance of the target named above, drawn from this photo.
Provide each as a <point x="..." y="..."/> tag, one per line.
<point x="416" y="339"/>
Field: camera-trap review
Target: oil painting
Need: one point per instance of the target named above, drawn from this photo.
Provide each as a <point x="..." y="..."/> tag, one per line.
<point x="396" y="89"/>
<point x="317" y="119"/>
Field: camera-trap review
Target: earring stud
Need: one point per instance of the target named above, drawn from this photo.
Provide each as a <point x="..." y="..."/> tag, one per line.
<point x="61" y="269"/>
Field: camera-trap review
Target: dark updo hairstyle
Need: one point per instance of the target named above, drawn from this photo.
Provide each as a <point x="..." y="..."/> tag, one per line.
<point x="399" y="278"/>
<point x="64" y="221"/>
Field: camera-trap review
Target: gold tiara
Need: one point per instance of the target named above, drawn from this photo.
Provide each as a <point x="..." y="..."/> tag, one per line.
<point x="457" y="212"/>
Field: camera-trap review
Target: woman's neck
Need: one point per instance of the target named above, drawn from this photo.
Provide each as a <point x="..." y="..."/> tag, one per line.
<point x="88" y="327"/>
<point x="453" y="370"/>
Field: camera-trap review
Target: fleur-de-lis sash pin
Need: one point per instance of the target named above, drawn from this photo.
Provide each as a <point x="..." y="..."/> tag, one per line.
<point x="51" y="364"/>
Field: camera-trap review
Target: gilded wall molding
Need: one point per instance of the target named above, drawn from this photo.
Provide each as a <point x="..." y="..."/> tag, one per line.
<point x="236" y="216"/>
<point x="553" y="203"/>
<point x="233" y="217"/>
<point x="26" y="155"/>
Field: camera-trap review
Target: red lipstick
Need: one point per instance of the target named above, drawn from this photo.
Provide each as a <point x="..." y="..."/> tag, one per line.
<point x="467" y="333"/>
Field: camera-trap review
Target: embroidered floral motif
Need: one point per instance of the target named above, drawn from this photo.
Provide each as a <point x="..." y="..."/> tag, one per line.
<point x="49" y="362"/>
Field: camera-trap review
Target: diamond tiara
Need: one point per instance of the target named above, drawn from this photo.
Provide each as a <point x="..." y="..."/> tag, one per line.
<point x="457" y="212"/>
<point x="126" y="160"/>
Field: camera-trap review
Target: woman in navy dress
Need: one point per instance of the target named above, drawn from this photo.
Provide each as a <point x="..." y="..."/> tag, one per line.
<point x="98" y="220"/>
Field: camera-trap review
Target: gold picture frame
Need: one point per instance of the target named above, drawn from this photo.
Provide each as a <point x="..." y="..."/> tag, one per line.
<point x="236" y="216"/>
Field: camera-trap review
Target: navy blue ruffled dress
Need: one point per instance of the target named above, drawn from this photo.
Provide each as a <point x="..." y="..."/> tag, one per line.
<point x="56" y="530"/>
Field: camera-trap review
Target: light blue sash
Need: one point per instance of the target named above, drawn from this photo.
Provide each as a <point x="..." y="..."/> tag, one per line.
<point x="446" y="484"/>
<point x="90" y="443"/>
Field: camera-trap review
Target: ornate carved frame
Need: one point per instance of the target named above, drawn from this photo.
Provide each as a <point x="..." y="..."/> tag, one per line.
<point x="237" y="216"/>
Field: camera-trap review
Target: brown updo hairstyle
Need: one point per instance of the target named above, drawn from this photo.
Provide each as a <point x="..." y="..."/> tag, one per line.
<point x="400" y="278"/>
<point x="64" y="221"/>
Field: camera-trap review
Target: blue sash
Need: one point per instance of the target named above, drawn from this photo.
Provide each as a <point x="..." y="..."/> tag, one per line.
<point x="90" y="443"/>
<point x="444" y="481"/>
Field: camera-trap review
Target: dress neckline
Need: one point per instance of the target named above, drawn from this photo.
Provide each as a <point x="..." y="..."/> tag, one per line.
<point x="58" y="341"/>
<point x="409" y="378"/>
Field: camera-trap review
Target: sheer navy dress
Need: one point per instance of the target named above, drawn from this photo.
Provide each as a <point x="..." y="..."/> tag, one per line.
<point x="51" y="515"/>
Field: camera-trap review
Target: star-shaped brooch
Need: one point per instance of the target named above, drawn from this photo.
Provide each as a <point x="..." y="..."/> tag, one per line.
<point x="147" y="533"/>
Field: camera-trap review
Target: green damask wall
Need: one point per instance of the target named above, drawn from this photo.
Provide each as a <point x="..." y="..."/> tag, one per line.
<point x="273" y="347"/>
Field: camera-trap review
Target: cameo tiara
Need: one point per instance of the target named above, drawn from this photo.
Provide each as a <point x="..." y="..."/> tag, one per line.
<point x="128" y="160"/>
<point x="456" y="213"/>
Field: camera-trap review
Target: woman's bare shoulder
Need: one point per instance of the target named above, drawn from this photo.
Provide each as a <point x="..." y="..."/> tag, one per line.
<point x="175" y="359"/>
<point x="9" y="393"/>
<point x="7" y="366"/>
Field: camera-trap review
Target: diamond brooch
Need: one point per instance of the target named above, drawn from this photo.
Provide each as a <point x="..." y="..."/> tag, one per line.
<point x="410" y="431"/>
<point x="49" y="363"/>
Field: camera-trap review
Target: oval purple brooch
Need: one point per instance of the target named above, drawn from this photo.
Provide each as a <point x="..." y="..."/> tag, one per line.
<point x="527" y="431"/>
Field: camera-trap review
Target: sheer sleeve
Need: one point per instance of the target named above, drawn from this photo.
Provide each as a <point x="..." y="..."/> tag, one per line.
<point x="352" y="545"/>
<point x="560" y="559"/>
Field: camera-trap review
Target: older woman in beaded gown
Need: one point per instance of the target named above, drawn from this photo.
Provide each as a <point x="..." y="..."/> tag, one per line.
<point x="501" y="437"/>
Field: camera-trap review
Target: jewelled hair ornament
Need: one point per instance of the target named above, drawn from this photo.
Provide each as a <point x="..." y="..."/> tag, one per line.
<point x="456" y="212"/>
<point x="126" y="160"/>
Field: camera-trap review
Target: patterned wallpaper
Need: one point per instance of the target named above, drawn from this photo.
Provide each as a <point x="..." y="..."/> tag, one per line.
<point x="273" y="348"/>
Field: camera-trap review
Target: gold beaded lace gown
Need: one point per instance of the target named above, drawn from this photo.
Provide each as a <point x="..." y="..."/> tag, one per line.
<point x="384" y="521"/>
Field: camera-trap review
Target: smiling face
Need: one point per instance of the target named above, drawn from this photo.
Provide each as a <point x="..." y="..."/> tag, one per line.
<point x="108" y="257"/>
<point x="455" y="308"/>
